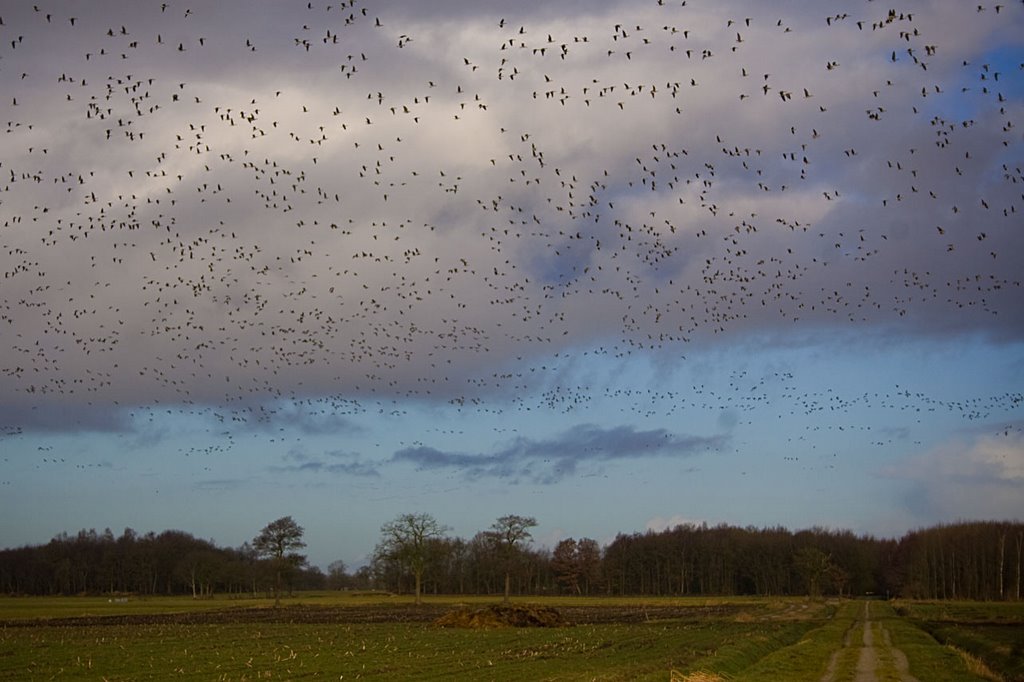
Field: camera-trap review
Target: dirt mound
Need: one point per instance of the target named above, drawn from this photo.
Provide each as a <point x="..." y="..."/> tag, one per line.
<point x="503" y="616"/>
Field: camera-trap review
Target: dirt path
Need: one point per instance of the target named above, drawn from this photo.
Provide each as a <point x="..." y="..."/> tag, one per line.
<point x="868" y="660"/>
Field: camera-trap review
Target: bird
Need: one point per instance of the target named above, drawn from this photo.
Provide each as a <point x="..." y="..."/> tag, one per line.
<point x="243" y="229"/>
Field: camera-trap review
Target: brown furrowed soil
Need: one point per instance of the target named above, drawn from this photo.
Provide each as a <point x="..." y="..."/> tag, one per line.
<point x="372" y="614"/>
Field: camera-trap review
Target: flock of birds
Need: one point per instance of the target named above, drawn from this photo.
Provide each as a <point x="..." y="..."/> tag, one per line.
<point x="209" y="205"/>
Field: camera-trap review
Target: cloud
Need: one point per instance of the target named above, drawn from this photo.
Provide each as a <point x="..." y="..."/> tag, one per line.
<point x="56" y="417"/>
<point x="983" y="478"/>
<point x="329" y="417"/>
<point x="331" y="462"/>
<point x="221" y="484"/>
<point x="273" y="223"/>
<point x="551" y="460"/>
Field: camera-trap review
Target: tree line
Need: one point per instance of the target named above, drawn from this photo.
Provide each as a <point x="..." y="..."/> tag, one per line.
<point x="171" y="562"/>
<point x="416" y="555"/>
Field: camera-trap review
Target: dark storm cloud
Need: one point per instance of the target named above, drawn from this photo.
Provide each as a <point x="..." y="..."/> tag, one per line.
<point x="550" y="460"/>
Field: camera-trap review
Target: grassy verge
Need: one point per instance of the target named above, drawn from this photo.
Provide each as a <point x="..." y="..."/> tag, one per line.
<point x="927" y="659"/>
<point x="808" y="657"/>
<point x="989" y="636"/>
<point x="734" y="658"/>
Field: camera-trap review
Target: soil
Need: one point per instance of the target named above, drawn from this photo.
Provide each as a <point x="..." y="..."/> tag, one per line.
<point x="427" y="613"/>
<point x="503" y="616"/>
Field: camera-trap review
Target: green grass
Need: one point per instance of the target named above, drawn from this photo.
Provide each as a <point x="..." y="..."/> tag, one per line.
<point x="392" y="651"/>
<point x="991" y="632"/>
<point x="808" y="657"/>
<point x="1007" y="612"/>
<point x="739" y="655"/>
<point x="752" y="639"/>
<point x="647" y="649"/>
<point x="928" y="660"/>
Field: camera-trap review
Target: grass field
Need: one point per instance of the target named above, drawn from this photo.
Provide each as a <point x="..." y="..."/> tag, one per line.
<point x="344" y="636"/>
<point x="989" y="632"/>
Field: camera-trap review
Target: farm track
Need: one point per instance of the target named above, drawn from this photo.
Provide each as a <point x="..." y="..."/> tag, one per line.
<point x="870" y="656"/>
<point x="581" y="615"/>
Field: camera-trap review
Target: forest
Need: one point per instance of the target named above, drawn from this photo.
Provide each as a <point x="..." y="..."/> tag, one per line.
<point x="967" y="560"/>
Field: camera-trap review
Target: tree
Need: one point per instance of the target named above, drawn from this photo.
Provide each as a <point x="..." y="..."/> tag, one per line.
<point x="363" y="578"/>
<point x="813" y="566"/>
<point x="337" y="575"/>
<point x="408" y="540"/>
<point x="565" y="564"/>
<point x="588" y="554"/>
<point x="484" y="565"/>
<point x="277" y="542"/>
<point x="506" y="533"/>
<point x="576" y="564"/>
<point x="199" y="570"/>
<point x="1020" y="544"/>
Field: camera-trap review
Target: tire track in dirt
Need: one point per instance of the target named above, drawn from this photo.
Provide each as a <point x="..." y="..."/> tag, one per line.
<point x="869" y="658"/>
<point x="867" y="662"/>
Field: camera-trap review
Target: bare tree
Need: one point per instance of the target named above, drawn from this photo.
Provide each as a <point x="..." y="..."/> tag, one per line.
<point x="337" y="575"/>
<point x="1002" y="556"/>
<point x="1020" y="545"/>
<point x="408" y="540"/>
<point x="566" y="565"/>
<point x="588" y="554"/>
<point x="813" y="566"/>
<point x="506" y="533"/>
<point x="277" y="542"/>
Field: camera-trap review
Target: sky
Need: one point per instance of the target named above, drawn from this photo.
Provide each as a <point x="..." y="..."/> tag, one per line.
<point x="616" y="265"/>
